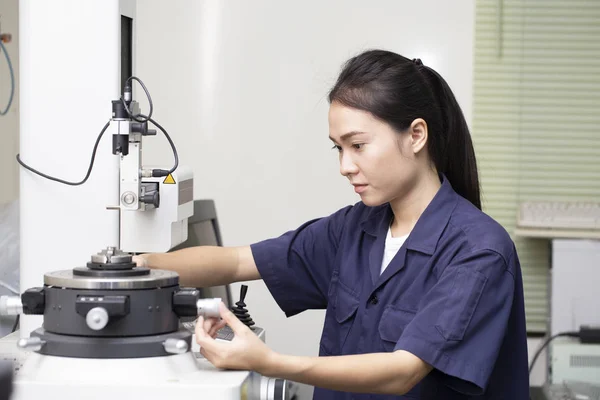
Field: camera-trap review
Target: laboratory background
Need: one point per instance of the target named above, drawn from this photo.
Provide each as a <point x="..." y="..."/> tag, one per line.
<point x="240" y="87"/>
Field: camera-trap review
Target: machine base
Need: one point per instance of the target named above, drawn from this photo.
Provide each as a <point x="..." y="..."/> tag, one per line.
<point x="186" y="375"/>
<point x="41" y="376"/>
<point x="99" y="347"/>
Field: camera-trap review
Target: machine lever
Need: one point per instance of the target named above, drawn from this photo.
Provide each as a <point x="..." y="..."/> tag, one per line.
<point x="33" y="343"/>
<point x="175" y="346"/>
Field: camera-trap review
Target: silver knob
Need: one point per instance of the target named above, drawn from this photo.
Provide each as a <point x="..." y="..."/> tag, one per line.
<point x="96" y="318"/>
<point x="209" y="308"/>
<point x="11" y="305"/>
<point x="128" y="198"/>
<point x="33" y="343"/>
<point x="175" y="346"/>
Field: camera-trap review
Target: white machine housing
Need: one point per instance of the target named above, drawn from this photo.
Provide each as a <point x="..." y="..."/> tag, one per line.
<point x="154" y="208"/>
<point x="575" y="275"/>
<point x="574" y="361"/>
<point x="182" y="375"/>
<point x="157" y="230"/>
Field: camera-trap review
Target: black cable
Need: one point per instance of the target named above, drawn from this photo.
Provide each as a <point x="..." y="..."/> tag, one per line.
<point x="175" y="155"/>
<point x="135" y="117"/>
<point x="12" y="79"/>
<point x="156" y="172"/>
<point x="14" y="328"/>
<point x="148" y="118"/>
<point x="551" y="338"/>
<point x="63" y="181"/>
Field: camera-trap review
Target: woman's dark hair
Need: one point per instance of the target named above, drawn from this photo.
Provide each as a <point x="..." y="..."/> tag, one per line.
<point x="398" y="90"/>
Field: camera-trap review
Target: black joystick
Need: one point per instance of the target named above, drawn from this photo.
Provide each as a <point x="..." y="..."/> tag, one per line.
<point x="240" y="310"/>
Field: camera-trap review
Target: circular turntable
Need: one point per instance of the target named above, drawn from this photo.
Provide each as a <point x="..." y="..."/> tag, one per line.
<point x="110" y="309"/>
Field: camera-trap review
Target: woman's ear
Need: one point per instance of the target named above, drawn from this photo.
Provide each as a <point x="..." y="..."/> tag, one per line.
<point x="418" y="135"/>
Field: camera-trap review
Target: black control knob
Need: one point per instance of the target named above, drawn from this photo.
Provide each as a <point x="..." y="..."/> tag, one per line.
<point x="240" y="310"/>
<point x="185" y="302"/>
<point x="151" y="198"/>
<point x="142" y="127"/>
<point x="34" y="301"/>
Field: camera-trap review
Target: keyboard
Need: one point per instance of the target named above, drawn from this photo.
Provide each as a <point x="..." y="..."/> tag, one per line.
<point x="559" y="215"/>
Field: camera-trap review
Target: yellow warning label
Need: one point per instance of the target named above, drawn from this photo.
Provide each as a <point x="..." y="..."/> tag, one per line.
<point x="169" y="180"/>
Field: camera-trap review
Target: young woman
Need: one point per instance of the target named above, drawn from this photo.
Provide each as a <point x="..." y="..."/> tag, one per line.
<point x="423" y="290"/>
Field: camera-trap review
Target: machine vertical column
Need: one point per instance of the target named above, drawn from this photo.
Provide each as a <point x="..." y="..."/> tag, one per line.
<point x="69" y="74"/>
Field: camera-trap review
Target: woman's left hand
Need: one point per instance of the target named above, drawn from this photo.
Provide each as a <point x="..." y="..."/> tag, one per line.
<point x="244" y="352"/>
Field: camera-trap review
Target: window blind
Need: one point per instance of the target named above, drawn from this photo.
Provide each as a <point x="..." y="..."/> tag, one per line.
<point x="536" y="125"/>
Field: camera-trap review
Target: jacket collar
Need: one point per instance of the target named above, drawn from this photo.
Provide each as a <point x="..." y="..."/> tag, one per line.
<point x="430" y="226"/>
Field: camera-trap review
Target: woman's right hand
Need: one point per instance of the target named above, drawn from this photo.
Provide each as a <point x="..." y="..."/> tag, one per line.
<point x="141" y="260"/>
<point x="203" y="266"/>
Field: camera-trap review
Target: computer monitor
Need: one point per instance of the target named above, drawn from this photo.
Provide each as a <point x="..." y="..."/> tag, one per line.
<point x="203" y="230"/>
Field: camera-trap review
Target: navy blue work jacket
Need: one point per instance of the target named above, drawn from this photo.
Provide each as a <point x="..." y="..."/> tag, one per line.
<point x="452" y="295"/>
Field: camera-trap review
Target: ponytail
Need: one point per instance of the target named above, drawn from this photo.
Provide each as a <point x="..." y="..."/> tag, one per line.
<point x="455" y="157"/>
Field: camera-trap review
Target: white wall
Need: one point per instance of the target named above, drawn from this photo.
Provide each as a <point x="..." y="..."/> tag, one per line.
<point x="9" y="124"/>
<point x="242" y="87"/>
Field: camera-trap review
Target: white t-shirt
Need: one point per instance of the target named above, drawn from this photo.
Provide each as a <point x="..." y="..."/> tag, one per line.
<point x="392" y="245"/>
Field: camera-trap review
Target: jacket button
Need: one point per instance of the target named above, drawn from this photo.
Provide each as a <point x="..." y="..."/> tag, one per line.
<point x="374" y="300"/>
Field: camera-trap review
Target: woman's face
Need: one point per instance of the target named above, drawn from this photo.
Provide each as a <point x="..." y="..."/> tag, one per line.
<point x="381" y="164"/>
